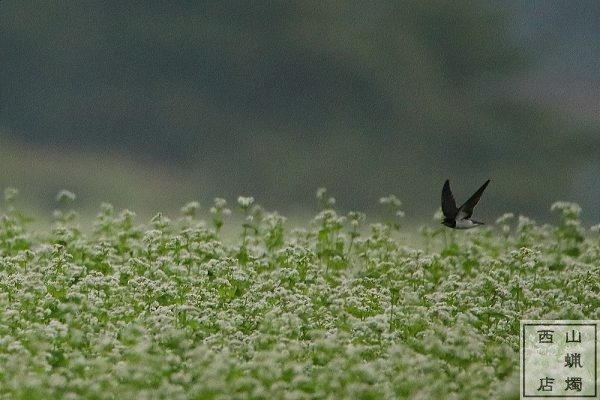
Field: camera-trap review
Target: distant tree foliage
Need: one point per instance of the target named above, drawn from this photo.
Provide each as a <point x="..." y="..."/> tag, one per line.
<point x="190" y="74"/>
<point x="289" y="95"/>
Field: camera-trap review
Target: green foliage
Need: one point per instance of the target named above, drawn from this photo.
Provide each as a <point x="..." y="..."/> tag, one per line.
<point x="170" y="309"/>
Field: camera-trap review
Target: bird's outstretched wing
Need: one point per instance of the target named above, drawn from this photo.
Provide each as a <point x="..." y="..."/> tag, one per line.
<point x="466" y="210"/>
<point x="448" y="203"/>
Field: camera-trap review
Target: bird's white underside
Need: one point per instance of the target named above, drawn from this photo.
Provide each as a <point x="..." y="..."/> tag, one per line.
<point x="465" y="224"/>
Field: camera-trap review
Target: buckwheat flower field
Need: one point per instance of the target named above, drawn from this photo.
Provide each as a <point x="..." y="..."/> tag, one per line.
<point x="343" y="308"/>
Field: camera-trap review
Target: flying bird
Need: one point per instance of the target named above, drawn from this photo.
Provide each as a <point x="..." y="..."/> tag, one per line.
<point x="460" y="218"/>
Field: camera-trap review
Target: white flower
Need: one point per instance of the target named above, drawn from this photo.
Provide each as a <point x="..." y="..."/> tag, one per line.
<point x="245" y="202"/>
<point x="65" y="196"/>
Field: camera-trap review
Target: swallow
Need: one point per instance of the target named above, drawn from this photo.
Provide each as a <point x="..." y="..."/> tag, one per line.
<point x="460" y="218"/>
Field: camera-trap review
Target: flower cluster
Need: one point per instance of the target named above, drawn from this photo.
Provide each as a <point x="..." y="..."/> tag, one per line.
<point x="341" y="309"/>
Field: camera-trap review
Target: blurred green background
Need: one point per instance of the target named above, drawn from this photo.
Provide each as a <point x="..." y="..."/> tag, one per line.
<point x="148" y="105"/>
